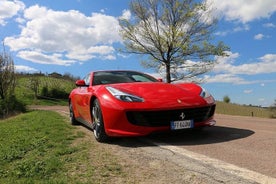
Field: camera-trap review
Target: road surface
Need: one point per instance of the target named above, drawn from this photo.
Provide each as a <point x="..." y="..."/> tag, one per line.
<point x="243" y="141"/>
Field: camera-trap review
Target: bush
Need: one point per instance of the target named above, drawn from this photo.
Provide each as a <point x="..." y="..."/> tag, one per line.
<point x="226" y="99"/>
<point x="54" y="93"/>
<point x="272" y="109"/>
<point x="10" y="106"/>
<point x="45" y="91"/>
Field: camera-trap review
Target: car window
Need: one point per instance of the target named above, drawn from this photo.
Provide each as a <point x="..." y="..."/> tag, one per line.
<point x="112" y="77"/>
<point x="87" y="79"/>
<point x="140" y="78"/>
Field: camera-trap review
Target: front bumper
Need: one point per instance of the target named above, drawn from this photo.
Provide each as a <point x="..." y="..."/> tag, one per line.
<point x="143" y="121"/>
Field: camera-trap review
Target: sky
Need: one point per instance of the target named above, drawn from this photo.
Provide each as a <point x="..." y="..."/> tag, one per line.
<point x="79" y="36"/>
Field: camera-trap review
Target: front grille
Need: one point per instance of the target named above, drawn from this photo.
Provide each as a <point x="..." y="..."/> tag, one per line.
<point x="163" y="118"/>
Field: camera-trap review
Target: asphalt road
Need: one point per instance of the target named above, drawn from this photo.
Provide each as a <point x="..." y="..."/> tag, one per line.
<point x="246" y="142"/>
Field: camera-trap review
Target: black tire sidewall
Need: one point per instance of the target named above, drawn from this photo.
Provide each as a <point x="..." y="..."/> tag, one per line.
<point x="99" y="133"/>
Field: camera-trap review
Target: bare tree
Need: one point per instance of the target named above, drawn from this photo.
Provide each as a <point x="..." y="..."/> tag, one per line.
<point x="34" y="83"/>
<point x="175" y="34"/>
<point x="7" y="75"/>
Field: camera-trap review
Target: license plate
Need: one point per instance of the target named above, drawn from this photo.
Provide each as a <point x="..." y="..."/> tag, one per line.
<point x="177" y="125"/>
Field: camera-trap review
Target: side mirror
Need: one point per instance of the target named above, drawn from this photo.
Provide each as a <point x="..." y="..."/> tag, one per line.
<point x="160" y="80"/>
<point x="80" y="83"/>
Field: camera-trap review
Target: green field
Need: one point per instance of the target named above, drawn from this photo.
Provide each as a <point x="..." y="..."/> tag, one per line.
<point x="42" y="147"/>
<point x="242" y="110"/>
<point x="25" y="85"/>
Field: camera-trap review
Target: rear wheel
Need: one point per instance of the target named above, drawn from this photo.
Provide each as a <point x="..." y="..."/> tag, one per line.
<point x="72" y="115"/>
<point x="98" y="124"/>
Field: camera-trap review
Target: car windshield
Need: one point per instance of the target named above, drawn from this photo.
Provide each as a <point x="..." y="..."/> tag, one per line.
<point x="112" y="77"/>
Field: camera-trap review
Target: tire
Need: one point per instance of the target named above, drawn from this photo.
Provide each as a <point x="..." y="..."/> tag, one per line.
<point x="72" y="115"/>
<point x="98" y="124"/>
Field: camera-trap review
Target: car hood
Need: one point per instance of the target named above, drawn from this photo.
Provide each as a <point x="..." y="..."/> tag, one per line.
<point x="159" y="92"/>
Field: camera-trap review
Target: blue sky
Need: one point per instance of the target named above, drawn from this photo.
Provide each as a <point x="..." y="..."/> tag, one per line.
<point x="78" y="36"/>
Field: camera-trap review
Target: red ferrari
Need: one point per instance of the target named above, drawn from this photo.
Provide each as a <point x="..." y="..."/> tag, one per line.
<point x="130" y="103"/>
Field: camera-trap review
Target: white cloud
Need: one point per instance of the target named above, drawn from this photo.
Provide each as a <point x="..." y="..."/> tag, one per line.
<point x="59" y="37"/>
<point x="42" y="58"/>
<point x="244" y="11"/>
<point x="243" y="27"/>
<point x="269" y="25"/>
<point x="126" y="15"/>
<point x="225" y="78"/>
<point x="233" y="79"/>
<point x="261" y="99"/>
<point x="102" y="10"/>
<point x="22" y="68"/>
<point x="248" y="91"/>
<point x="222" y="33"/>
<point x="8" y="9"/>
<point x="265" y="65"/>
<point x="227" y="71"/>
<point x="225" y="63"/>
<point x="259" y="36"/>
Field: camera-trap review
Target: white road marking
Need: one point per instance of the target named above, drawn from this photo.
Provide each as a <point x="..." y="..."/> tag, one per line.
<point x="230" y="168"/>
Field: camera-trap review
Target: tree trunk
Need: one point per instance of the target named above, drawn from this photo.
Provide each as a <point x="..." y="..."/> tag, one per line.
<point x="168" y="73"/>
<point x="2" y="96"/>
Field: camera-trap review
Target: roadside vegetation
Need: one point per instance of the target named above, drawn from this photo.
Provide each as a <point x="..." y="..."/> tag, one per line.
<point x="34" y="89"/>
<point x="9" y="104"/>
<point x="44" y="89"/>
<point x="42" y="147"/>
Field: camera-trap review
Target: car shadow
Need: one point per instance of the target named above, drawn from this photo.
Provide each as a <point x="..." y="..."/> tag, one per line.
<point x="209" y="135"/>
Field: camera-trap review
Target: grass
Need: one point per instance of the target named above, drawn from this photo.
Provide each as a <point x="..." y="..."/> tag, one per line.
<point x="24" y="92"/>
<point x="242" y="110"/>
<point x="42" y="147"/>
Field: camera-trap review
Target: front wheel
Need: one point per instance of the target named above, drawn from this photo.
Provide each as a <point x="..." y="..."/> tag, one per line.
<point x="98" y="124"/>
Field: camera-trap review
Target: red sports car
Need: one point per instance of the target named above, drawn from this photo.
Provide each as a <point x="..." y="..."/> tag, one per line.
<point x="130" y="103"/>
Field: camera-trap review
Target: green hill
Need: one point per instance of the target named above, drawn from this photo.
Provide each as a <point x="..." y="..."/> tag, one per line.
<point x="43" y="90"/>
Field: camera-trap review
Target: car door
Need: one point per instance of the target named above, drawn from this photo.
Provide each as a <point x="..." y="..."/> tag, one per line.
<point x="85" y="93"/>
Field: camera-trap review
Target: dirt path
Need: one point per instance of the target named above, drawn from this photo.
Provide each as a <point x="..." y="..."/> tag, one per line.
<point x="146" y="162"/>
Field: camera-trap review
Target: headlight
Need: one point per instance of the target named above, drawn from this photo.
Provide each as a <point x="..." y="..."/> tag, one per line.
<point x="204" y="93"/>
<point x="123" y="96"/>
<point x="207" y="96"/>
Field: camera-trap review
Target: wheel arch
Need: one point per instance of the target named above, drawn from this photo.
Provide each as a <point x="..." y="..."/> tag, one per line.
<point x="70" y="102"/>
<point x="92" y="99"/>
